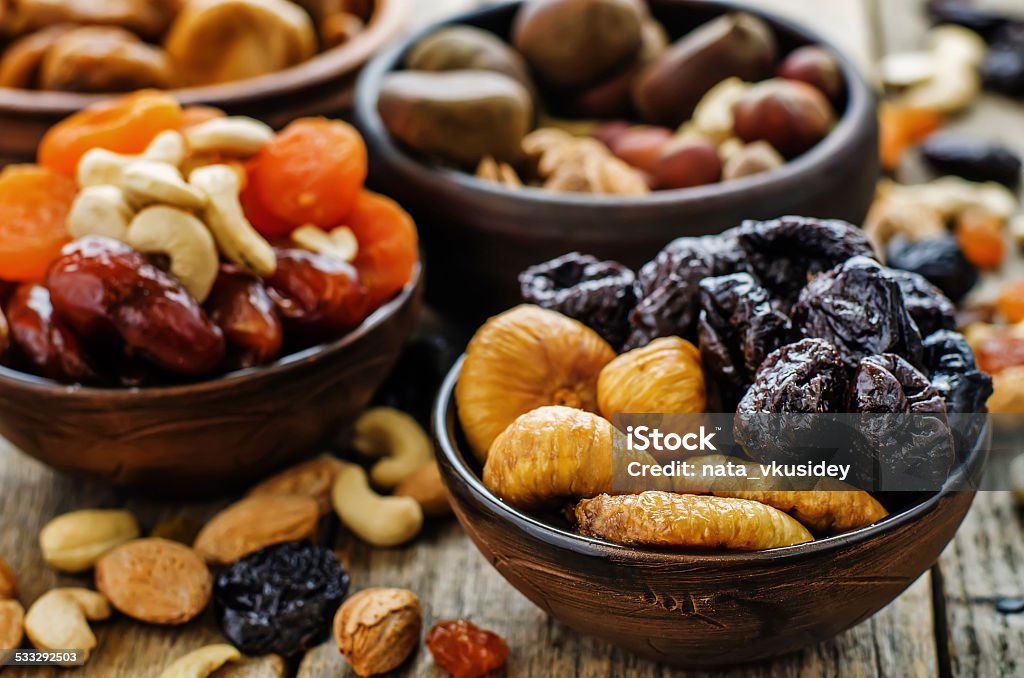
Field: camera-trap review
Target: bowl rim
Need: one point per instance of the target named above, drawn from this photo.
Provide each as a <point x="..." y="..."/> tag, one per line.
<point x="387" y="20"/>
<point x="451" y="455"/>
<point x="847" y="131"/>
<point x="31" y="382"/>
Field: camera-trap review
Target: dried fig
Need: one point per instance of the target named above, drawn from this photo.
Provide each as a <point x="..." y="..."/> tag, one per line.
<point x="103" y="59"/>
<point x="665" y="376"/>
<point x="664" y="519"/>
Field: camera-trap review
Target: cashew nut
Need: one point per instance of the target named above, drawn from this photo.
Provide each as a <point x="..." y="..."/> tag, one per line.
<point x="396" y="436"/>
<point x="59" y="619"/>
<point x="100" y="209"/>
<point x="713" y="115"/>
<point x="239" y="136"/>
<point x="955" y="87"/>
<point x="235" y="236"/>
<point x="379" y="521"/>
<point x="340" y="243"/>
<point x="184" y="239"/>
<point x="952" y="196"/>
<point x="147" y="182"/>
<point x="956" y="43"/>
<point x="202" y="662"/>
<point x="100" y="166"/>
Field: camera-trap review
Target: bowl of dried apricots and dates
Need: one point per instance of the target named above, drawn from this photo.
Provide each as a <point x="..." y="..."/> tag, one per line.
<point x="273" y="59"/>
<point x="789" y="317"/>
<point x="519" y="132"/>
<point x="191" y="298"/>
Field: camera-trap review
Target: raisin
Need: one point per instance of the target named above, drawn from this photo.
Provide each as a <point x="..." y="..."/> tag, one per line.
<point x="42" y="342"/>
<point x="859" y="308"/>
<point x="783" y="252"/>
<point x="465" y="650"/>
<point x="280" y="599"/>
<point x="925" y="302"/>
<point x="955" y="374"/>
<point x="972" y="159"/>
<point x="600" y="294"/>
<point x="738" y="327"/>
<point x="939" y="260"/>
<point x="964" y="13"/>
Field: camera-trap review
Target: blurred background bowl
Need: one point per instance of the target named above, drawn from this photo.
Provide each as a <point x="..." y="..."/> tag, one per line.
<point x="479" y="236"/>
<point x="211" y="435"/>
<point x="701" y="610"/>
<point x="319" y="86"/>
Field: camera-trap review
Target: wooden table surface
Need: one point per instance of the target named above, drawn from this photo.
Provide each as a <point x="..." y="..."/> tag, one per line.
<point x="946" y="624"/>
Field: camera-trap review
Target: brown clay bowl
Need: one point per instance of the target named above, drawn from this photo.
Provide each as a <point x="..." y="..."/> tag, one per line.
<point x="479" y="236"/>
<point x="700" y="610"/>
<point x="214" y="434"/>
<point x="320" y="86"/>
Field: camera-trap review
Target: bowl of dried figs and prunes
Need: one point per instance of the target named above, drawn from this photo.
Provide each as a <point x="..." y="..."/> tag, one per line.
<point x="189" y="299"/>
<point x="792" y="317"/>
<point x="520" y="132"/>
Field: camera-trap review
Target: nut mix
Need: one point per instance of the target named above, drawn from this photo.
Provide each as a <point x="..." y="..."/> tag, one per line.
<point x="638" y="114"/>
<point x="793" y="315"/>
<point x="171" y="218"/>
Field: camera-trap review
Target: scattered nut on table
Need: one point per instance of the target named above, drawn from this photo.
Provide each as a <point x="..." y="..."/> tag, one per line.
<point x="73" y="542"/>
<point x="12" y="624"/>
<point x="377" y="629"/>
<point x="59" y="619"/>
<point x="254" y="522"/>
<point x="377" y="520"/>
<point x="202" y="662"/>
<point x="397" y="439"/>
<point x="313" y="478"/>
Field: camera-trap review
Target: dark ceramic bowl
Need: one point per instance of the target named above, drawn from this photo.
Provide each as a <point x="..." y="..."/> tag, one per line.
<point x="213" y="434"/>
<point x="699" y="610"/>
<point x="479" y="236"/>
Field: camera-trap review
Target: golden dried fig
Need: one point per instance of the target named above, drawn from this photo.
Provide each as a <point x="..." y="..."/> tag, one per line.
<point x="664" y="519"/>
<point x="665" y="376"/>
<point x="103" y="59"/>
<point x="523" y="359"/>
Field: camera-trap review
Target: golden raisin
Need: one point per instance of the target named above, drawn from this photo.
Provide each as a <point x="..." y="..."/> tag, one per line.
<point x="1011" y="300"/>
<point x="980" y="236"/>
<point x="465" y="650"/>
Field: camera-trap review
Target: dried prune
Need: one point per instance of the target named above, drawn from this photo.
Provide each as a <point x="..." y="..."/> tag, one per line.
<point x="887" y="383"/>
<point x="954" y="373"/>
<point x="965" y="13"/>
<point x="1003" y="68"/>
<point x="280" y="599"/>
<point x="667" y="286"/>
<point x="240" y="306"/>
<point x="105" y="290"/>
<point x="42" y="341"/>
<point x="783" y="252"/>
<point x="859" y="308"/>
<point x="938" y="260"/>
<point x="925" y="302"/>
<point x="600" y="294"/>
<point x="738" y="327"/>
<point x="465" y="650"/>
<point x="972" y="159"/>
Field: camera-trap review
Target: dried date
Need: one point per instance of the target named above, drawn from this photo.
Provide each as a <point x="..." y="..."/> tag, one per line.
<point x="43" y="342"/>
<point x="939" y="260"/>
<point x="972" y="159"/>
<point x="240" y="306"/>
<point x="600" y="294"/>
<point x="105" y="290"/>
<point x="926" y="303"/>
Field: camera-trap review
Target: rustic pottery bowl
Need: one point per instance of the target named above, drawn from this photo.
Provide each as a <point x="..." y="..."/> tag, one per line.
<point x="214" y="434"/>
<point x="699" y="610"/>
<point x="320" y="86"/>
<point x="479" y="236"/>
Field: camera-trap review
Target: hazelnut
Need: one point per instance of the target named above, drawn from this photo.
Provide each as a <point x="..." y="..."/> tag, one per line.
<point x="752" y="159"/>
<point x="688" y="161"/>
<point x="792" y="116"/>
<point x="641" y="146"/>
<point x="817" y="67"/>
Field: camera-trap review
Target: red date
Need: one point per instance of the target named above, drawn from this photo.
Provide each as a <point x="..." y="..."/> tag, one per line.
<point x="104" y="289"/>
<point x="42" y="341"/>
<point x="319" y="296"/>
<point x="240" y="305"/>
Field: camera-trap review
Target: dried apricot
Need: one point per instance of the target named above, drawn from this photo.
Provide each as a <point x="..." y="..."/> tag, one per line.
<point x="902" y="128"/>
<point x="1011" y="300"/>
<point x="980" y="236"/>
<point x="311" y="172"/>
<point x="465" y="650"/>
<point x="124" y="125"/>
<point x="259" y="216"/>
<point x="388" y="249"/>
<point x="34" y="204"/>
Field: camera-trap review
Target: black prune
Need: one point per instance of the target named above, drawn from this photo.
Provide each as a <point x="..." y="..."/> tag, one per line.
<point x="738" y="327"/>
<point x="928" y="306"/>
<point x="858" y="307"/>
<point x="280" y="599"/>
<point x="955" y="374"/>
<point x="667" y="286"/>
<point x="964" y="13"/>
<point x="939" y="260"/>
<point x="1003" y="68"/>
<point x="600" y="294"/>
<point x="888" y="384"/>
<point x="972" y="159"/>
<point x="783" y="252"/>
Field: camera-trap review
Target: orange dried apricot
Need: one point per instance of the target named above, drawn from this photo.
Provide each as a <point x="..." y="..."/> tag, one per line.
<point x="124" y="125"/>
<point x="311" y="172"/>
<point x="34" y="204"/>
<point x="388" y="249"/>
<point x="259" y="216"/>
<point x="1011" y="300"/>
<point x="901" y="128"/>
<point x="980" y="236"/>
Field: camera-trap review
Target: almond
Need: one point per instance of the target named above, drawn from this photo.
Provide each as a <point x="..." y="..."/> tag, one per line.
<point x="427" y="488"/>
<point x="155" y="580"/>
<point x="8" y="582"/>
<point x="377" y="629"/>
<point x="312" y="478"/>
<point x="255" y="522"/>
<point x="12" y="624"/>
